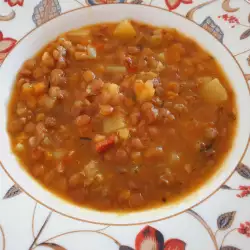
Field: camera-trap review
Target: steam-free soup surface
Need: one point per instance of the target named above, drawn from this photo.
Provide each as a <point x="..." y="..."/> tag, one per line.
<point x="121" y="116"/>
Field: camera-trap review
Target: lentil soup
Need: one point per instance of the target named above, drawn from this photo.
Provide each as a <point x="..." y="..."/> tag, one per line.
<point x="121" y="116"/>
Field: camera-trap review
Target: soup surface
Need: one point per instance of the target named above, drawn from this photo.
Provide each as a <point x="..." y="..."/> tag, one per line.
<point x="121" y="117"/>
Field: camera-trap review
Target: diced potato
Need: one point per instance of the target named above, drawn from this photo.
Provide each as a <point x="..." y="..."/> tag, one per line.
<point x="125" y="30"/>
<point x="116" y="69"/>
<point x="113" y="123"/>
<point x="144" y="91"/>
<point x="91" y="52"/>
<point x="77" y="36"/>
<point x="59" y="154"/>
<point x="40" y="117"/>
<point x="112" y="89"/>
<point x="123" y="133"/>
<point x="159" y="67"/>
<point x="99" y="138"/>
<point x="213" y="92"/>
<point x="204" y="79"/>
<point x="144" y="76"/>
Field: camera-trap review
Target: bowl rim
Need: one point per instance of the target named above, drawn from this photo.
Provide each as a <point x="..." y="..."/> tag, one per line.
<point x="143" y="222"/>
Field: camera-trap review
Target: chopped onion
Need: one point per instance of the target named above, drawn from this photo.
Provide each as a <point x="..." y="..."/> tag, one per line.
<point x="91" y="52"/>
<point x="59" y="154"/>
<point x="46" y="141"/>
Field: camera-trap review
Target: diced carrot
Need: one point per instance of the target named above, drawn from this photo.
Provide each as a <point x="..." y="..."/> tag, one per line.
<point x="132" y="69"/>
<point x="104" y="145"/>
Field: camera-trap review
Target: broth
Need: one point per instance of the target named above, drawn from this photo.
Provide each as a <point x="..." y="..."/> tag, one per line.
<point x="120" y="117"/>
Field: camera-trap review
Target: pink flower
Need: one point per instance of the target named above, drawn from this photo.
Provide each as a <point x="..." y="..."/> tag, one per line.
<point x="173" y="4"/>
<point x="244" y="228"/>
<point x="14" y="2"/>
<point x="6" y="44"/>
<point x="245" y="191"/>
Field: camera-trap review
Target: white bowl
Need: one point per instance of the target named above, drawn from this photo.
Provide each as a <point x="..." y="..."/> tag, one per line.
<point x="39" y="37"/>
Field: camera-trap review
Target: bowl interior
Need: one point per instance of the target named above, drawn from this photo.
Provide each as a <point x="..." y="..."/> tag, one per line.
<point x="33" y="42"/>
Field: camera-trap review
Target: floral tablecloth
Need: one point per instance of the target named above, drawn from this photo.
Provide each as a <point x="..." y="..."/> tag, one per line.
<point x="222" y="222"/>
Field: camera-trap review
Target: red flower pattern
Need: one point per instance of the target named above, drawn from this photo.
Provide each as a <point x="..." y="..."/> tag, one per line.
<point x="230" y="19"/>
<point x="174" y="244"/>
<point x="173" y="4"/>
<point x="6" y="44"/>
<point x="150" y="238"/>
<point x="245" y="191"/>
<point x="14" y="2"/>
<point x="245" y="228"/>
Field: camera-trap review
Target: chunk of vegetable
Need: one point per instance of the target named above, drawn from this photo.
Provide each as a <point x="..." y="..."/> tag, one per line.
<point x="59" y="154"/>
<point x="113" y="123"/>
<point x="112" y="89"/>
<point x="123" y="133"/>
<point x="204" y="79"/>
<point x="125" y="30"/>
<point x="104" y="145"/>
<point x="159" y="67"/>
<point x="144" y="76"/>
<point x="144" y="91"/>
<point x="79" y="36"/>
<point x="116" y="69"/>
<point x="213" y="92"/>
<point x="90" y="171"/>
<point x="91" y="52"/>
